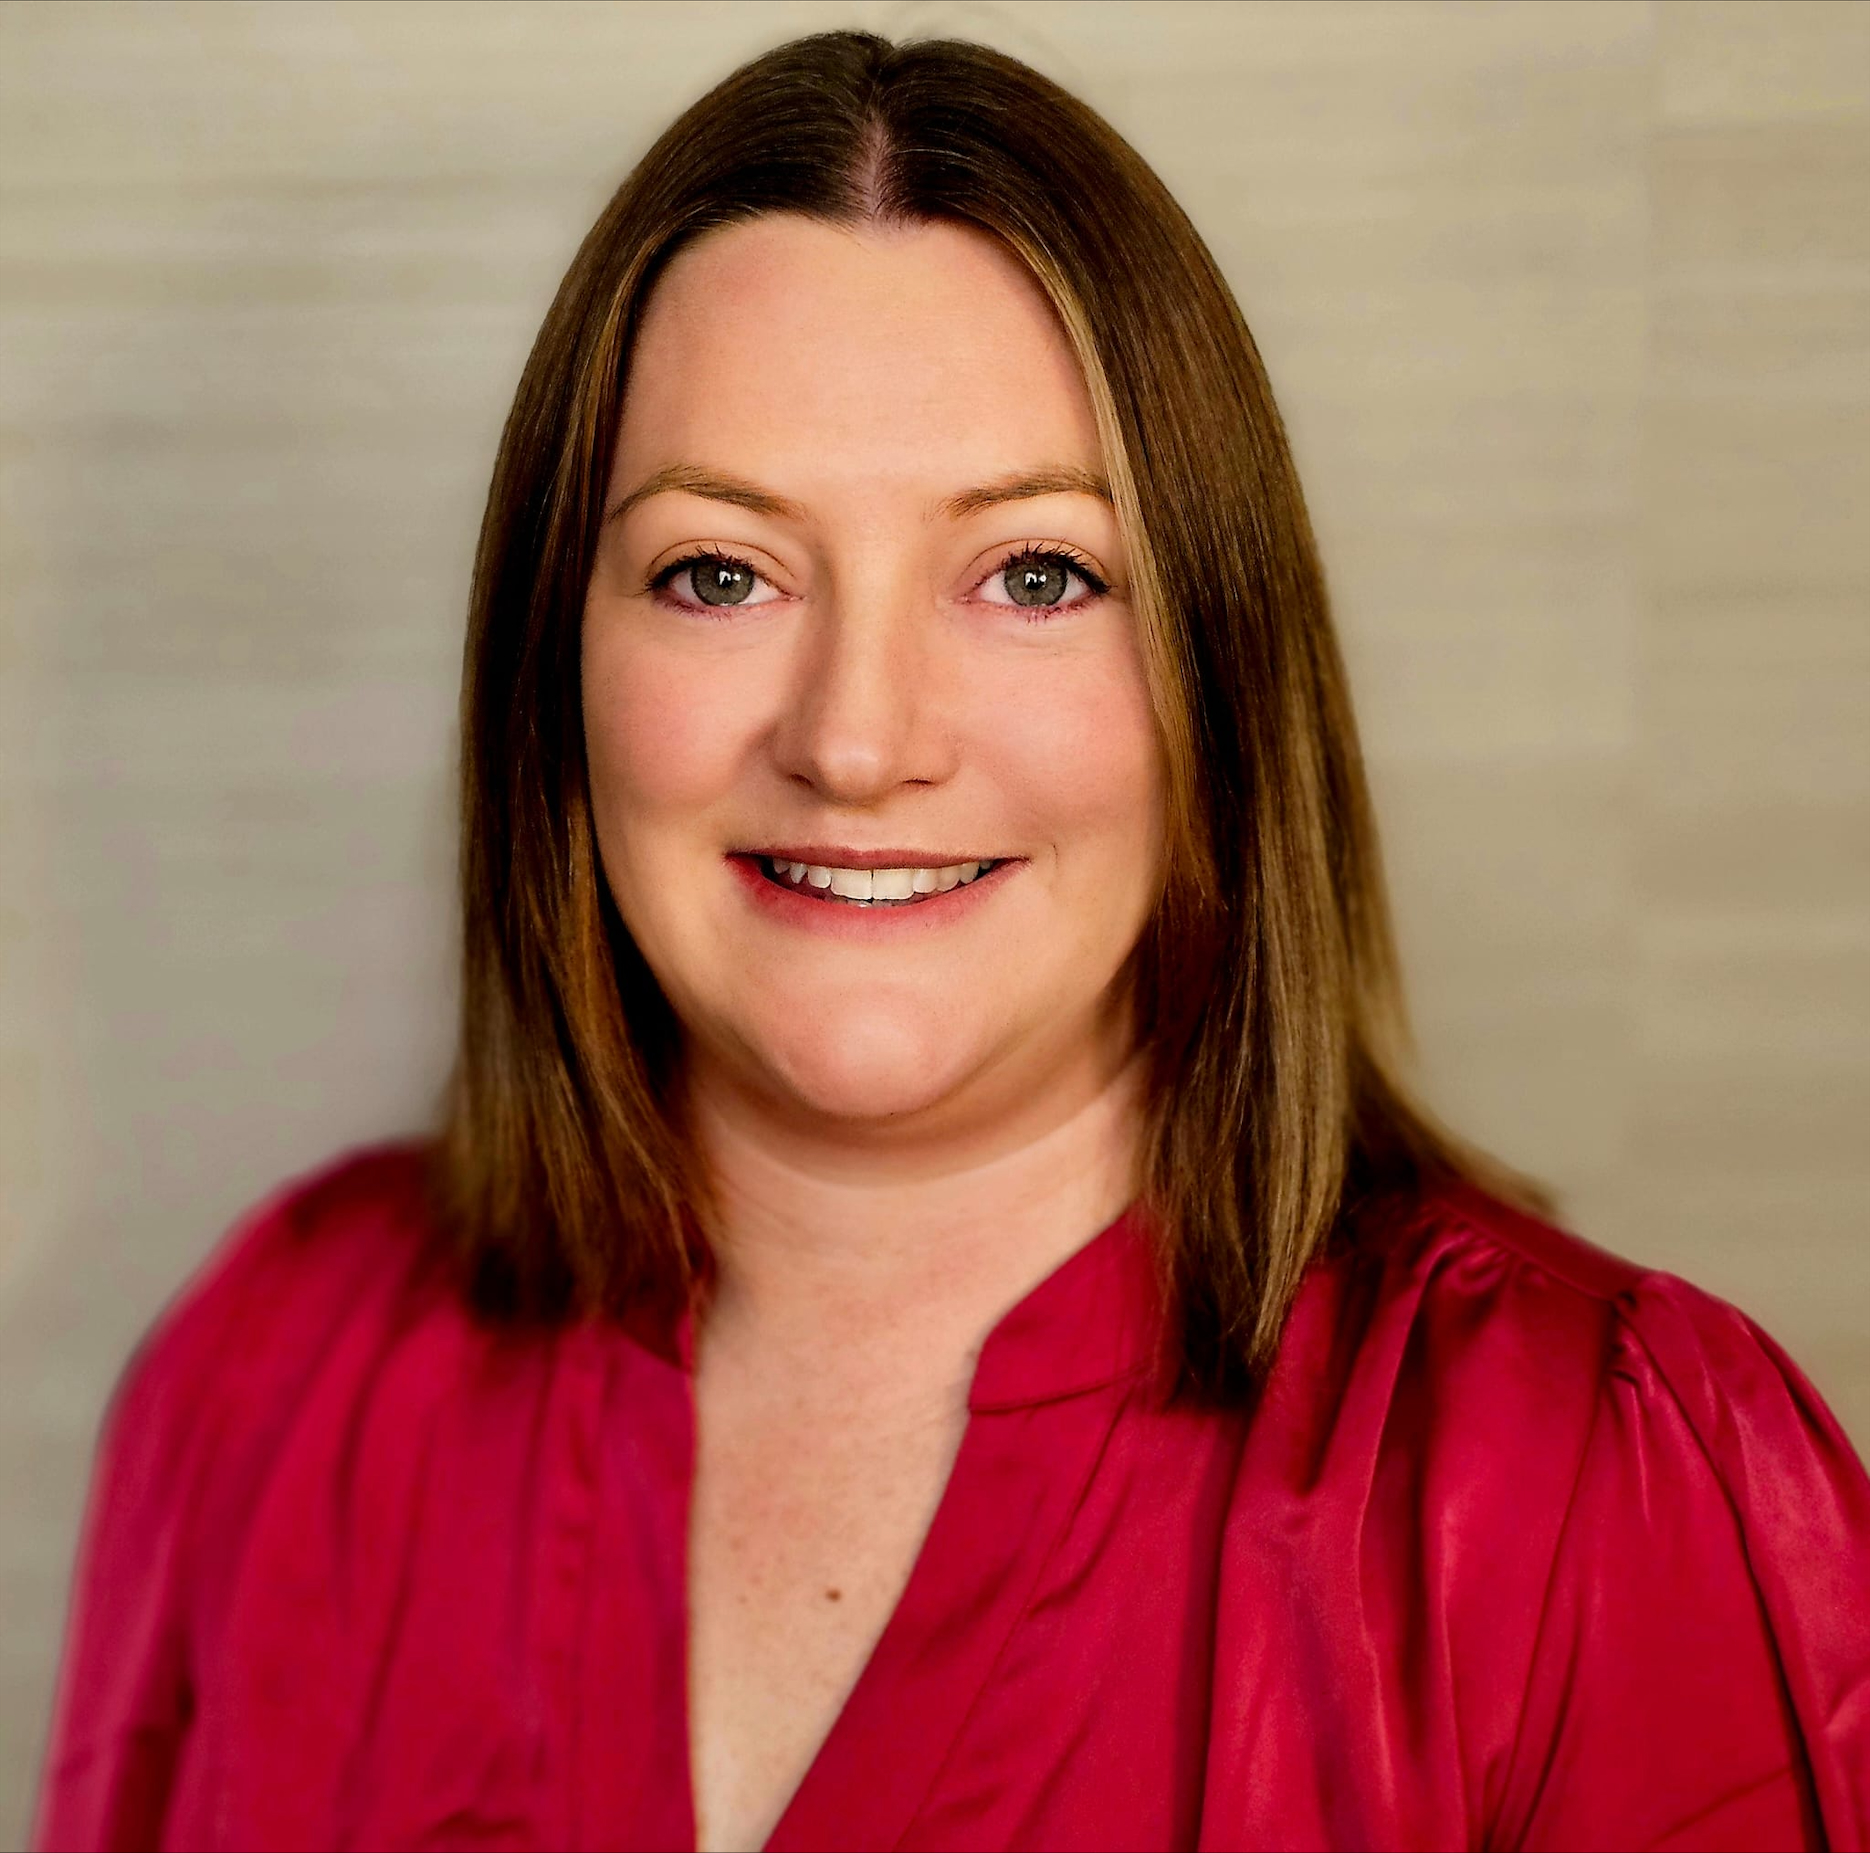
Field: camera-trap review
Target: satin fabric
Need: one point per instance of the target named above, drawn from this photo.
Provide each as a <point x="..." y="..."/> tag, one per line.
<point x="1522" y="1546"/>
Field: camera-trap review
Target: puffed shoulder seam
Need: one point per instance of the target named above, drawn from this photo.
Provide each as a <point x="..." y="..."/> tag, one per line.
<point x="1466" y="1217"/>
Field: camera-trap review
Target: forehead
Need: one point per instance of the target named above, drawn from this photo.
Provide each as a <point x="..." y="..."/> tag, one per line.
<point x="785" y="332"/>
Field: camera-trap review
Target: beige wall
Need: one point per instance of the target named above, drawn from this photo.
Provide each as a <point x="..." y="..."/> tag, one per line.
<point x="1569" y="308"/>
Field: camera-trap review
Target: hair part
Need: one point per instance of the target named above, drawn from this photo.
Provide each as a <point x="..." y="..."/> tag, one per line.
<point x="1267" y="986"/>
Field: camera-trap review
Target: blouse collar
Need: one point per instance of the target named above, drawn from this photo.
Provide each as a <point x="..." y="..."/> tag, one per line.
<point x="1097" y="1318"/>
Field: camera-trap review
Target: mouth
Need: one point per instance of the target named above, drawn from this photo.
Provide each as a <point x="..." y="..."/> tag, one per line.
<point x="901" y="884"/>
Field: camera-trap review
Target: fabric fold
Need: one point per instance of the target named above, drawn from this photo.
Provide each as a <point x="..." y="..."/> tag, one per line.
<point x="1519" y="1546"/>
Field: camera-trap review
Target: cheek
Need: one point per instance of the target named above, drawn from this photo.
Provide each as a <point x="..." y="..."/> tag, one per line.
<point x="1078" y="747"/>
<point x="666" y="734"/>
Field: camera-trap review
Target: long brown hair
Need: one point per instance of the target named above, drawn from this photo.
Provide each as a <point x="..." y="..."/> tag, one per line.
<point x="1267" y="982"/>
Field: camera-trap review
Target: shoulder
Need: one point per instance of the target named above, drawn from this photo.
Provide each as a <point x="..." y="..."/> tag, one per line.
<point x="1492" y="1280"/>
<point x="1605" y="1495"/>
<point x="1674" y="1541"/>
<point x="1494" y="1304"/>
<point x="1463" y="1240"/>
<point x="356" y="1225"/>
<point x="1586" y="1411"/>
<point x="334" y="1250"/>
<point x="1491" y="1328"/>
<point x="1499" y="1368"/>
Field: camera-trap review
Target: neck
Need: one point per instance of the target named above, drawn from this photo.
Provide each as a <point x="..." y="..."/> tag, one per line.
<point x="826" y="1248"/>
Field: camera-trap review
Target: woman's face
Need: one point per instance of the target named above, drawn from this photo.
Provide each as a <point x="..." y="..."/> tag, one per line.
<point x="876" y="784"/>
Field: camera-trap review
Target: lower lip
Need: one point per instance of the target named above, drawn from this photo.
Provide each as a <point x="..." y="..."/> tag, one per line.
<point x="800" y="906"/>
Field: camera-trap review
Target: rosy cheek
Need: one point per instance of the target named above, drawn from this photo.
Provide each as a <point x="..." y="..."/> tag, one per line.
<point x="667" y="732"/>
<point x="1078" y="743"/>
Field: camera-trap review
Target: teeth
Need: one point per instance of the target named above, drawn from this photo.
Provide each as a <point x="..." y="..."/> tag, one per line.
<point x="875" y="884"/>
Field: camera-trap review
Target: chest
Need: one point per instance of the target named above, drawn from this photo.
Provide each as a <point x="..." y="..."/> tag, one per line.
<point x="561" y="1625"/>
<point x="805" y="1524"/>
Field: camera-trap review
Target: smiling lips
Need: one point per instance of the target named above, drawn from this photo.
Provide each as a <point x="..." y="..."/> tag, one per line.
<point x="892" y="887"/>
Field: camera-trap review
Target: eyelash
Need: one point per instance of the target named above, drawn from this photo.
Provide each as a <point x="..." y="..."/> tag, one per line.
<point x="1069" y="557"/>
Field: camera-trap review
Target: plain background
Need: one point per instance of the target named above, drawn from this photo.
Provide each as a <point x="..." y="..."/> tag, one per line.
<point x="1568" y="306"/>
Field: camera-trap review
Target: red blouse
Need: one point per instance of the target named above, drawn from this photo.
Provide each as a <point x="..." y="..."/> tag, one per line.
<point x="1522" y="1547"/>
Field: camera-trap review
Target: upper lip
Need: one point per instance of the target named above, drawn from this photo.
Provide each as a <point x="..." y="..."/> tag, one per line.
<point x="842" y="856"/>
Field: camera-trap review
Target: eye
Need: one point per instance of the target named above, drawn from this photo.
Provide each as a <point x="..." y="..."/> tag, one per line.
<point x="1039" y="580"/>
<point x="713" y="581"/>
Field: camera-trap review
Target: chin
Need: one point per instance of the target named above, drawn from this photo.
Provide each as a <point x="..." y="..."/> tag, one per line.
<point x="876" y="1065"/>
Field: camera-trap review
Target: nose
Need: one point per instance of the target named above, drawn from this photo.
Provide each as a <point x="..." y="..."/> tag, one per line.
<point x="864" y="712"/>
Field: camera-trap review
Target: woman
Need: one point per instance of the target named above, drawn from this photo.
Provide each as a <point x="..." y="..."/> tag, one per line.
<point x="934" y="1321"/>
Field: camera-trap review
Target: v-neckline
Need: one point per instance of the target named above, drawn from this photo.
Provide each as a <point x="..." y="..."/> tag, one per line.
<point x="1036" y="1427"/>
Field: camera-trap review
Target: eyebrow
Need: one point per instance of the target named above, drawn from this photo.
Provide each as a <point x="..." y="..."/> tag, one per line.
<point x="719" y="486"/>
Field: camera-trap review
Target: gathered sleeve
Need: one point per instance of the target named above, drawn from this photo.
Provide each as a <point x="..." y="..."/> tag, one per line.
<point x="1701" y="1674"/>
